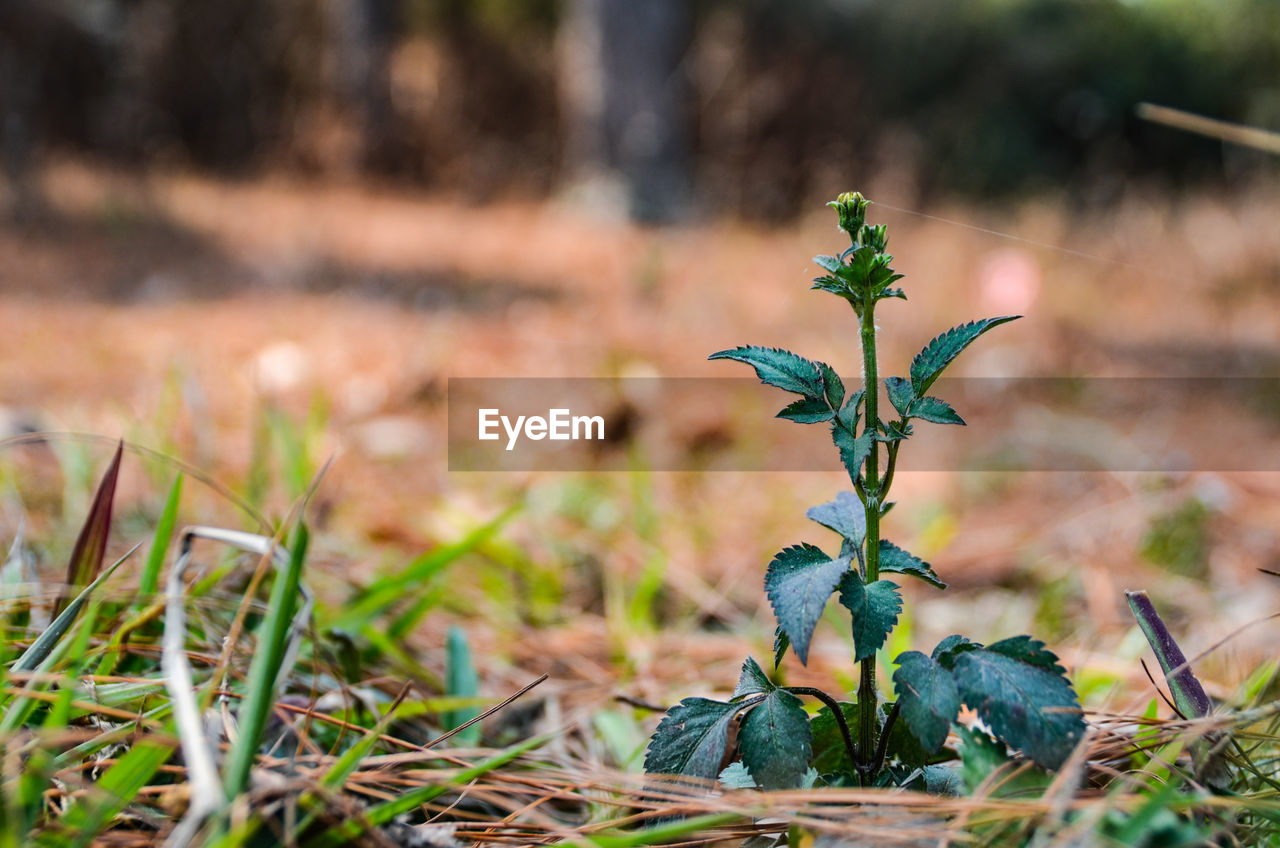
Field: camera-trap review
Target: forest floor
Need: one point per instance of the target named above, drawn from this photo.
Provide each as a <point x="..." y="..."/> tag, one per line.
<point x="175" y="310"/>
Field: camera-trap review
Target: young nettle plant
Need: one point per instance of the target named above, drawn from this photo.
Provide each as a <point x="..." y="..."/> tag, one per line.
<point x="764" y="736"/>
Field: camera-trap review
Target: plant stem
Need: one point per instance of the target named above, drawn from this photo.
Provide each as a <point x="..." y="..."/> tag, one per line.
<point x="883" y="748"/>
<point x="867" y="700"/>
<point x="833" y="705"/>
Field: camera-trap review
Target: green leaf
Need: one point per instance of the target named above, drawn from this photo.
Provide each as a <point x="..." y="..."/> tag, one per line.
<point x="929" y="363"/>
<point x="830" y="754"/>
<point x="903" y="744"/>
<point x="115" y="790"/>
<point x="780" y="368"/>
<point x="981" y="756"/>
<point x="1029" y="707"/>
<point x="753" y="680"/>
<point x="897" y="561"/>
<point x="850" y="413"/>
<point x="776" y="741"/>
<point x="1028" y="650"/>
<point x="853" y="452"/>
<point x="936" y="410"/>
<point x="951" y="647"/>
<point x="807" y="411"/>
<point x="832" y="385"/>
<point x="798" y="582"/>
<point x="736" y="776"/>
<point x="891" y="432"/>
<point x="900" y="393"/>
<point x="875" y="609"/>
<point x="831" y="264"/>
<point x="691" y="739"/>
<point x="845" y="515"/>
<point x="780" y="644"/>
<point x="929" y="698"/>
<point x="150" y="578"/>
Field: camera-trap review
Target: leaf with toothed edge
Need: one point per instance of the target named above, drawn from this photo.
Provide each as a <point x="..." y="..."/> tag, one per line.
<point x="900" y="393"/>
<point x="1029" y="650"/>
<point x="798" y="582"/>
<point x="845" y="515"/>
<point x="776" y="742"/>
<point x="934" y="409"/>
<point x="930" y="362"/>
<point x="780" y="368"/>
<point x="853" y="452"/>
<point x="807" y="411"/>
<point x="928" y="697"/>
<point x="897" y="561"/>
<point x="780" y="644"/>
<point x="875" y="607"/>
<point x="832" y="385"/>
<point x="692" y="739"/>
<point x="752" y="680"/>
<point x="1028" y="706"/>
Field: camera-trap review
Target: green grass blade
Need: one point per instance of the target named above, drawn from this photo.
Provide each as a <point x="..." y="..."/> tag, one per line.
<point x="347" y="832"/>
<point x="264" y="669"/>
<point x="424" y="568"/>
<point x="149" y="582"/>
<point x="91" y="544"/>
<point x="116" y="789"/>
<point x="461" y="682"/>
<point x="659" y="833"/>
<point x="39" y="650"/>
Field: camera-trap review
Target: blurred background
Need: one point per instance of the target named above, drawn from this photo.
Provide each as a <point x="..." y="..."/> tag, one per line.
<point x="253" y="234"/>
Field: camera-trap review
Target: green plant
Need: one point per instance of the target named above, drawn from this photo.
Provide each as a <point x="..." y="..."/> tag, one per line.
<point x="1015" y="685"/>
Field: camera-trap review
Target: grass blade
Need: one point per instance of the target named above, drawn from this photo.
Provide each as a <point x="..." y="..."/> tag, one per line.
<point x="39" y="650"/>
<point x="118" y="787"/>
<point x="347" y="832"/>
<point x="461" y="682"/>
<point x="91" y="544"/>
<point x="264" y="670"/>
<point x="150" y="579"/>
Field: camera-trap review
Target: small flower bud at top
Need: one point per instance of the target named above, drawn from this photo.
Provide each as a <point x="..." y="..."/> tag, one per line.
<point x="852" y="209"/>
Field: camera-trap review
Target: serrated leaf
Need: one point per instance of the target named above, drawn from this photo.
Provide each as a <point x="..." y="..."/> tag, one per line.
<point x="798" y="582"/>
<point x="1029" y="707"/>
<point x="853" y="452"/>
<point x="691" y="739"/>
<point x="838" y="287"/>
<point x="752" y="680"/>
<point x="897" y="561"/>
<point x="845" y="515"/>
<point x="1028" y="650"/>
<point x="928" y="697"/>
<point x="930" y="362"/>
<point x="832" y="385"/>
<point x="807" y="411"/>
<point x="737" y="776"/>
<point x="831" y="264"/>
<point x="850" y="414"/>
<point x="891" y="432"/>
<point x="874" y="607"/>
<point x="888" y="293"/>
<point x="951" y="647"/>
<point x="900" y="393"/>
<point x="776" y="742"/>
<point x="778" y="367"/>
<point x="780" y="644"/>
<point x="936" y="410"/>
<point x="830" y="753"/>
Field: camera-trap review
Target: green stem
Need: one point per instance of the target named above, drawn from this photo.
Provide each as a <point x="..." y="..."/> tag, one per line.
<point x="867" y="700"/>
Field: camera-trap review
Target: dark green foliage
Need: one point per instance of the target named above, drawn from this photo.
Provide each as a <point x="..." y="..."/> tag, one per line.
<point x="780" y="368"/>
<point x="1031" y="708"/>
<point x="1015" y="685"/>
<point x="934" y="409"/>
<point x="843" y="515"/>
<point x="874" y="607"/>
<point x="929" y="363"/>
<point x="775" y="741"/>
<point x="692" y="739"/>
<point x="929" y="698"/>
<point x="799" y="581"/>
<point x="898" y="561"/>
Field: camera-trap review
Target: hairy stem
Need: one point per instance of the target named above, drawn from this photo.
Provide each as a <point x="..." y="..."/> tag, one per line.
<point x="833" y="705"/>
<point x="867" y="700"/>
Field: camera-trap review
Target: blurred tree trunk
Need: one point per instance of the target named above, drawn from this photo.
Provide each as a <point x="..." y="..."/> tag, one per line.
<point x="361" y="36"/>
<point x="625" y="101"/>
